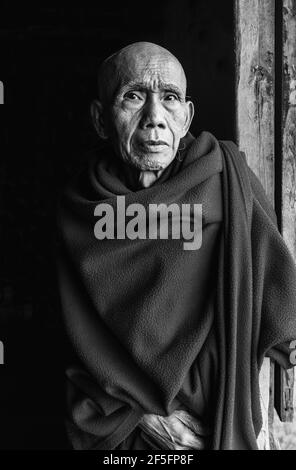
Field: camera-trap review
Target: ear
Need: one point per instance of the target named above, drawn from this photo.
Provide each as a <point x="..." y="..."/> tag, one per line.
<point x="189" y="117"/>
<point x="96" y="110"/>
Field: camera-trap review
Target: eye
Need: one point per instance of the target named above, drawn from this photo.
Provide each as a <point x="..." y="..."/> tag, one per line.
<point x="132" y="96"/>
<point x="171" y="97"/>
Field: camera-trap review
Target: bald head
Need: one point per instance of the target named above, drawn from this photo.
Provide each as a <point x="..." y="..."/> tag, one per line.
<point x="133" y="62"/>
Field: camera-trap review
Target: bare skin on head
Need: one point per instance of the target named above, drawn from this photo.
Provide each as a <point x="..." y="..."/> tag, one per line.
<point x="142" y="107"/>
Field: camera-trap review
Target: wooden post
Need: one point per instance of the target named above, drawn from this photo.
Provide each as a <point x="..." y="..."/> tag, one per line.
<point x="255" y="87"/>
<point x="289" y="126"/>
<point x="258" y="136"/>
<point x="255" y="32"/>
<point x="285" y="405"/>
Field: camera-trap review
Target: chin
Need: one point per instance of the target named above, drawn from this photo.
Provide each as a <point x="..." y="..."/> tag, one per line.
<point x="150" y="162"/>
<point x="152" y="167"/>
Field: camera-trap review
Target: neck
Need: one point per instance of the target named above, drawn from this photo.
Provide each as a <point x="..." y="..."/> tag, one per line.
<point x="147" y="178"/>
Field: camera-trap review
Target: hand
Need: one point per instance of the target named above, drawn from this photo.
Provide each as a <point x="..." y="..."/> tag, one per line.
<point x="178" y="431"/>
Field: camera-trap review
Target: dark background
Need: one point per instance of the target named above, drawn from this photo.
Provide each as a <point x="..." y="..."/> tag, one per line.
<point x="49" y="57"/>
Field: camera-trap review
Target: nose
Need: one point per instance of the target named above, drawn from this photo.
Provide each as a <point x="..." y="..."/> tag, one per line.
<point x="153" y="115"/>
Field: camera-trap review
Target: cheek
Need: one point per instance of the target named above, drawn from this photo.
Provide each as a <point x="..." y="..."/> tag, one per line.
<point x="176" y="122"/>
<point x="125" y="123"/>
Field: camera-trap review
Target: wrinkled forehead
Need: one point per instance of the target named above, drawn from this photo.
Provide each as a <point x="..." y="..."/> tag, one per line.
<point x="151" y="71"/>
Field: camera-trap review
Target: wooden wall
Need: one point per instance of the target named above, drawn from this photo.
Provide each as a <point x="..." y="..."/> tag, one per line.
<point x="266" y="132"/>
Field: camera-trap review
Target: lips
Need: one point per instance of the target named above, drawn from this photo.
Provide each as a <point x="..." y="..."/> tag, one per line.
<point x="154" y="145"/>
<point x="155" y="142"/>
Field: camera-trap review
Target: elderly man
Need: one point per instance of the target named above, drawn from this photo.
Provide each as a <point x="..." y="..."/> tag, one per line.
<point x="168" y="340"/>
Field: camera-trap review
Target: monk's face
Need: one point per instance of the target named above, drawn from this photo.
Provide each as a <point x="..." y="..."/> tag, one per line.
<point x="146" y="113"/>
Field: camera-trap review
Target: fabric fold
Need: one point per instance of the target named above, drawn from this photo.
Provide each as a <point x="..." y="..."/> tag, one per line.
<point x="156" y="327"/>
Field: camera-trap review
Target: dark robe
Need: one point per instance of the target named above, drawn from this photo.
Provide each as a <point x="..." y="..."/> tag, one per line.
<point x="155" y="327"/>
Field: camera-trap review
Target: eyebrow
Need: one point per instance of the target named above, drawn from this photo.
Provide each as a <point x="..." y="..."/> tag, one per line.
<point x="142" y="86"/>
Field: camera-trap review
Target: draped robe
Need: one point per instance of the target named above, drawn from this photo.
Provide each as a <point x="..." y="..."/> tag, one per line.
<point x="156" y="328"/>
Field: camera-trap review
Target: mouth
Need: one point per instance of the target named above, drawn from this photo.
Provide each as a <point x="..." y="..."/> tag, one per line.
<point x="154" y="146"/>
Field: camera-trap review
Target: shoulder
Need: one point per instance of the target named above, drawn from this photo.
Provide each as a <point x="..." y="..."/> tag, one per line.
<point x="239" y="160"/>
